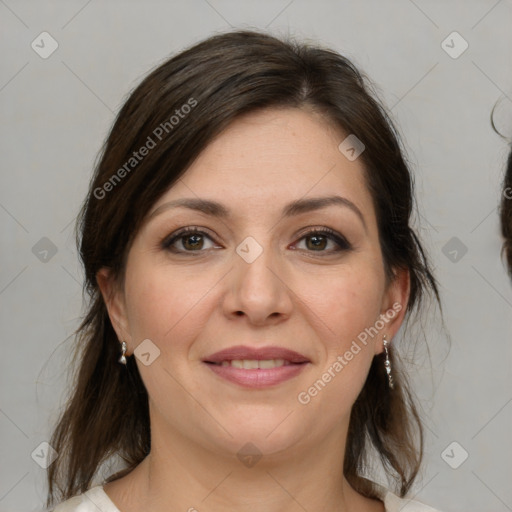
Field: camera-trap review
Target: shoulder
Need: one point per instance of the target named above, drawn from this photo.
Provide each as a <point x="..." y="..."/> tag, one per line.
<point x="394" y="503"/>
<point x="90" y="501"/>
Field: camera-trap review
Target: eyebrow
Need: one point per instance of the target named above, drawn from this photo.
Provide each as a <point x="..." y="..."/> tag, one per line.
<point x="297" y="207"/>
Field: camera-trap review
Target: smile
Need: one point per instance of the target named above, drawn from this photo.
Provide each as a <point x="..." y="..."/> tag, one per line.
<point x="256" y="367"/>
<point x="253" y="364"/>
<point x="258" y="377"/>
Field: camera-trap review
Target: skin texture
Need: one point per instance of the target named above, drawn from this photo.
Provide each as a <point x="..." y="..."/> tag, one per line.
<point x="296" y="295"/>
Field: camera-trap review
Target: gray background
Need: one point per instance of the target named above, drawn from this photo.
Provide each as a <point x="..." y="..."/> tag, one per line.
<point x="57" y="111"/>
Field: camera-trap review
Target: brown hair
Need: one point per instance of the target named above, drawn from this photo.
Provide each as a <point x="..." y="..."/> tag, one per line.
<point x="220" y="78"/>
<point x="506" y="213"/>
<point x="505" y="206"/>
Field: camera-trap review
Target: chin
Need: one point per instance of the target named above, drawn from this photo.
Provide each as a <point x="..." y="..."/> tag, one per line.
<point x="262" y="432"/>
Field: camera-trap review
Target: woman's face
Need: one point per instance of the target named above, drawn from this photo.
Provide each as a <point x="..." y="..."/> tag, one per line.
<point x="258" y="279"/>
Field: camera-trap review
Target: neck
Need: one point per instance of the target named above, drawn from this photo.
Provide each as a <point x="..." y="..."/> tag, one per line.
<point x="180" y="475"/>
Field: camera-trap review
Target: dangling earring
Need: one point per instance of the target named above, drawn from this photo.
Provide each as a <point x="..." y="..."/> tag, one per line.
<point x="387" y="362"/>
<point x="122" y="359"/>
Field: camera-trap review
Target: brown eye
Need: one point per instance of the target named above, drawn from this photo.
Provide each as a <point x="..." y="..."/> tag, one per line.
<point x="186" y="240"/>
<point x="192" y="242"/>
<point x="318" y="240"/>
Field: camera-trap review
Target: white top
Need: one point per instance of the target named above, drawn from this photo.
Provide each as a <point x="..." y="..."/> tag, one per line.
<point x="97" y="500"/>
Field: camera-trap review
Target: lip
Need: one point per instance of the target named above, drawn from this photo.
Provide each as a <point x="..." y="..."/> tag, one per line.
<point x="257" y="377"/>
<point x="259" y="354"/>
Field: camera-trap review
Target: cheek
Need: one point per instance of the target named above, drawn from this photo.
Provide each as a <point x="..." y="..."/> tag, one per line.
<point x="348" y="302"/>
<point x="350" y="305"/>
<point x="170" y="309"/>
<point x="165" y="306"/>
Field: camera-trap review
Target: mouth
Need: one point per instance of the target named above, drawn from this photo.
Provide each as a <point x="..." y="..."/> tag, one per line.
<point x="253" y="364"/>
<point x="256" y="368"/>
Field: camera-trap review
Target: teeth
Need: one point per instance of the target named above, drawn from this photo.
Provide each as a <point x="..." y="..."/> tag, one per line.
<point x="271" y="363"/>
<point x="252" y="364"/>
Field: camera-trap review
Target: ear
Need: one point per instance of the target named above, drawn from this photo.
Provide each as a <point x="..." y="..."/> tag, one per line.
<point x="394" y="306"/>
<point x="115" y="303"/>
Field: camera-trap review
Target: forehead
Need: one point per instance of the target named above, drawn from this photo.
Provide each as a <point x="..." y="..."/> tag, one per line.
<point x="274" y="156"/>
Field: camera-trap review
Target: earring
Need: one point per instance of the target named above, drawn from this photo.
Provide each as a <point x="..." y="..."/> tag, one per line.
<point x="387" y="362"/>
<point x="122" y="359"/>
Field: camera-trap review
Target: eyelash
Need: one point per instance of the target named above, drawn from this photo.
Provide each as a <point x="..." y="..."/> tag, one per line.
<point x="167" y="243"/>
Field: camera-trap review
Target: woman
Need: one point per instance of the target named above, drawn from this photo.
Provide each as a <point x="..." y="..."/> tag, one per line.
<point x="248" y="252"/>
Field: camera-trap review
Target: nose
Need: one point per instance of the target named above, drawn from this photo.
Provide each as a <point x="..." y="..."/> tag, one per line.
<point x="258" y="289"/>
